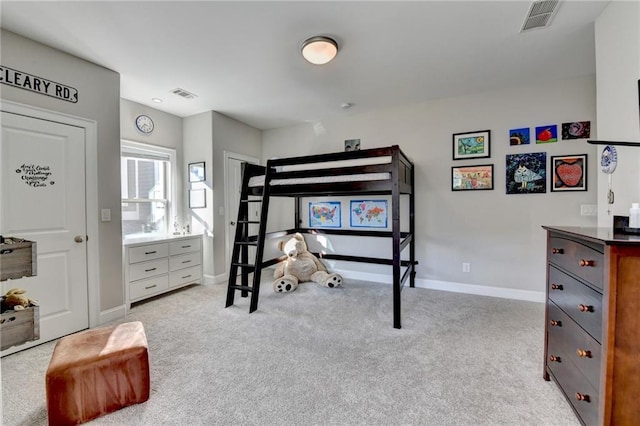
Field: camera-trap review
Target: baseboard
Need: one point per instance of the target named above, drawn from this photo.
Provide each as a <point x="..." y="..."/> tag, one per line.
<point x="216" y="279"/>
<point x="113" y="314"/>
<point x="480" y="290"/>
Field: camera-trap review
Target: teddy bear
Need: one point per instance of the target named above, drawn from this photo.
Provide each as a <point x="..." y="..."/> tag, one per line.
<point x="17" y="300"/>
<point x="300" y="266"/>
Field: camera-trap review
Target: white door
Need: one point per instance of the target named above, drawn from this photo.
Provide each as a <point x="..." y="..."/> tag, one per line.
<point x="233" y="188"/>
<point x="42" y="183"/>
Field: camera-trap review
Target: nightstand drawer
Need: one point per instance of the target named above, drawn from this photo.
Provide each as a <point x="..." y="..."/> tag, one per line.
<point x="184" y="276"/>
<point x="580" y="302"/>
<point x="184" y="261"/>
<point x="584" y="261"/>
<point x="144" y="270"/>
<point x="185" y="246"/>
<point x="146" y="288"/>
<point x="148" y="252"/>
<point x="580" y="348"/>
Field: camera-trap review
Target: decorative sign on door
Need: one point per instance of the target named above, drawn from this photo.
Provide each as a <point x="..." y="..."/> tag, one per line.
<point x="36" y="175"/>
<point x="33" y="83"/>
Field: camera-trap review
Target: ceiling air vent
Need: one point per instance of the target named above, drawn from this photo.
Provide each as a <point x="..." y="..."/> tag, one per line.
<point x="540" y="14"/>
<point x="185" y="94"/>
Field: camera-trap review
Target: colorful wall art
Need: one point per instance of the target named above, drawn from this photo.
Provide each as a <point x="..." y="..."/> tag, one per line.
<point x="519" y="136"/>
<point x="547" y="134"/>
<point x="569" y="173"/>
<point x="576" y="130"/>
<point x="324" y="214"/>
<point x="369" y="213"/>
<point x="526" y="173"/>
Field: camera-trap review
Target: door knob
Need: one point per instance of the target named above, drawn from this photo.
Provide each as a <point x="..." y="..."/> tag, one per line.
<point x="78" y="239"/>
<point x="233" y="223"/>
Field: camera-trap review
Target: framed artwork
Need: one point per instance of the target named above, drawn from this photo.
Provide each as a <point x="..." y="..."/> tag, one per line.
<point x="325" y="214"/>
<point x="197" y="198"/>
<point x="368" y="213"/>
<point x="569" y="173"/>
<point x="576" y="130"/>
<point x="466" y="178"/>
<point x="519" y="136"/>
<point x="526" y="173"/>
<point x="196" y="172"/>
<point x="547" y="134"/>
<point x="471" y="145"/>
<point x="352" y="145"/>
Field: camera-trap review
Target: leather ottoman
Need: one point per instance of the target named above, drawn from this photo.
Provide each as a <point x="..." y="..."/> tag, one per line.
<point x="96" y="372"/>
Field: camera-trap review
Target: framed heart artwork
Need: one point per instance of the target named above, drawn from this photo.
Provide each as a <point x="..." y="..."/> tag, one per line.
<point x="569" y="173"/>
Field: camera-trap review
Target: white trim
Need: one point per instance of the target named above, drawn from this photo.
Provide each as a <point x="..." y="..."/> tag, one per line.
<point x="217" y="279"/>
<point x="91" y="189"/>
<point x="227" y="238"/>
<point x="480" y="290"/>
<point x="113" y="314"/>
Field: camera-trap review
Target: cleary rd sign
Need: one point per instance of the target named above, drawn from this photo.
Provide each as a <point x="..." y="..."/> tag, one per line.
<point x="36" y="84"/>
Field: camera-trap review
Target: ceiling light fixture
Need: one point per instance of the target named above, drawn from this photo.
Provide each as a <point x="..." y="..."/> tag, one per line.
<point x="319" y="50"/>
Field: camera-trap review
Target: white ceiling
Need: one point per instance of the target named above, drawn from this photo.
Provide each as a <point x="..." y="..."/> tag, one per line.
<point x="242" y="58"/>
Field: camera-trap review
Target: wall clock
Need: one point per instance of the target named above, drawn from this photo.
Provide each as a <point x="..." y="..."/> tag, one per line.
<point x="144" y="123"/>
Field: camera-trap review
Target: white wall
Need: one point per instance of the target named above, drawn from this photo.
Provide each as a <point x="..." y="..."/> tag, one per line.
<point x="618" y="70"/>
<point x="499" y="235"/>
<point x="99" y="100"/>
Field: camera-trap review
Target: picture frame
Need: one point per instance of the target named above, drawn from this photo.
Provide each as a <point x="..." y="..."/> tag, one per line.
<point x="569" y="173"/>
<point x="197" y="198"/>
<point x="472" y="145"/>
<point x="368" y="214"/>
<point x="325" y="214"/>
<point x="197" y="172"/>
<point x="526" y="173"/>
<point x="472" y="178"/>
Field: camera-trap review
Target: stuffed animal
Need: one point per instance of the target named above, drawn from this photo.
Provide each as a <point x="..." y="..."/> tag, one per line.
<point x="300" y="266"/>
<point x="17" y="300"/>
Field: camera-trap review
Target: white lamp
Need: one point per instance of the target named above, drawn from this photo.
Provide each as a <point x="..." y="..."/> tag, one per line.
<point x="319" y="50"/>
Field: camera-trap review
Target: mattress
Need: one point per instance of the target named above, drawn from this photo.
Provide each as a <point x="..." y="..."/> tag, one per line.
<point x="386" y="159"/>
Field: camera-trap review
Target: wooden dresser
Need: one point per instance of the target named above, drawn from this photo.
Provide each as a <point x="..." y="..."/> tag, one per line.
<point x="592" y="333"/>
<point x="155" y="266"/>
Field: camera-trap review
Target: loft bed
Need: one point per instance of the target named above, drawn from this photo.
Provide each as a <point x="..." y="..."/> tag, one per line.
<point x="379" y="171"/>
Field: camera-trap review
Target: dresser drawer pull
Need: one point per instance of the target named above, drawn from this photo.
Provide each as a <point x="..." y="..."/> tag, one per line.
<point x="151" y="286"/>
<point x="186" y="276"/>
<point x="186" y="261"/>
<point x="150" y="252"/>
<point x="554" y="358"/>
<point x="585" y="308"/>
<point x="555" y="286"/>
<point x="149" y="270"/>
<point x="185" y="246"/>
<point x="585" y="262"/>
<point x="555" y="323"/>
<point x="582" y="397"/>
<point x="582" y="353"/>
<point x="557" y="251"/>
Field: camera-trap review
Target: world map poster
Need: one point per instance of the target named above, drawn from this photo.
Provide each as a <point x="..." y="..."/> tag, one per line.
<point x="369" y="213"/>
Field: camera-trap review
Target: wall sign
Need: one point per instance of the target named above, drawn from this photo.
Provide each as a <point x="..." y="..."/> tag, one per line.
<point x="36" y="175"/>
<point x="26" y="81"/>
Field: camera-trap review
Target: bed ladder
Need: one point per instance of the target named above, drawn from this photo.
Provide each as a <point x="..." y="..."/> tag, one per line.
<point x="242" y="241"/>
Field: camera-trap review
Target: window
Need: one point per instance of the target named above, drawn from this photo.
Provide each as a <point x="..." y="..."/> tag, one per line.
<point x="147" y="189"/>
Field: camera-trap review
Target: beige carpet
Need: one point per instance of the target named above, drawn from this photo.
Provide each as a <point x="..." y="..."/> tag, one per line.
<point x="323" y="356"/>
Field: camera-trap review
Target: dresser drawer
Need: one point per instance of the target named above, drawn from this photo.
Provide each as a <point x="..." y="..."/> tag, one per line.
<point x="145" y="288"/>
<point x="580" y="302"/>
<point x="148" y="252"/>
<point x="580" y="348"/>
<point x="574" y="384"/>
<point x="184" y="246"/>
<point x="184" y="276"/>
<point x="184" y="261"/>
<point x="586" y="262"/>
<point x="139" y="271"/>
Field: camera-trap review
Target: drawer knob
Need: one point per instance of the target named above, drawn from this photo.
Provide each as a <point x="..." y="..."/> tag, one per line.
<point x="585" y="308"/>
<point x="585" y="262"/>
<point x="582" y="353"/>
<point x="554" y="358"/>
<point x="555" y="323"/>
<point x="555" y="286"/>
<point x="557" y="251"/>
<point x="582" y="397"/>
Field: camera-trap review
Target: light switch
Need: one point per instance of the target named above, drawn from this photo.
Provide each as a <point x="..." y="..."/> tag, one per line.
<point x="105" y="215"/>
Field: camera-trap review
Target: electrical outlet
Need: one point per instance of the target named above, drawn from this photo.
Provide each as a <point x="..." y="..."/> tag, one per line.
<point x="105" y="215"/>
<point x="466" y="267"/>
<point x="588" y="210"/>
